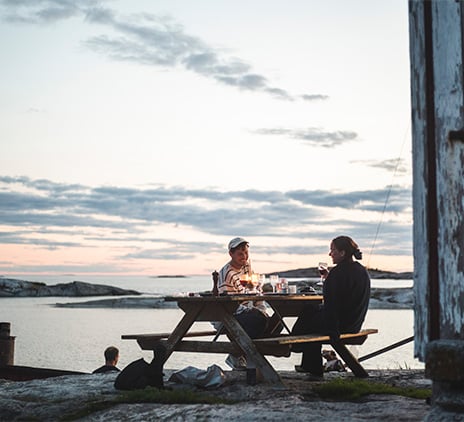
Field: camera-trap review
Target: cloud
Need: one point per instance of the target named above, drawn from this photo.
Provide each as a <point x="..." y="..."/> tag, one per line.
<point x="369" y="200"/>
<point x="36" y="212"/>
<point x="313" y="137"/>
<point x="314" y="97"/>
<point x="392" y="165"/>
<point x="149" y="40"/>
<point x="42" y="11"/>
<point x="152" y="40"/>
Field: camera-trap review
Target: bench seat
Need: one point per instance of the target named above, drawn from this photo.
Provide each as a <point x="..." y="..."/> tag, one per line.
<point x="159" y="336"/>
<point x="348" y="338"/>
<point x="279" y="346"/>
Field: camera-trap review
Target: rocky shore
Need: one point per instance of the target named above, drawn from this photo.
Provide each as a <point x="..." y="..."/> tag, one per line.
<point x="10" y="287"/>
<point x="374" y="273"/>
<point x="55" y="399"/>
<point x="400" y="298"/>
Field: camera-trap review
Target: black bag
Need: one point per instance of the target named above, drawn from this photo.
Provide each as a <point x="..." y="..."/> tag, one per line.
<point x="140" y="374"/>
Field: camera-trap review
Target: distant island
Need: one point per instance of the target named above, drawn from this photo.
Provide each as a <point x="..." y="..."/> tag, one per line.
<point x="381" y="298"/>
<point x="312" y="272"/>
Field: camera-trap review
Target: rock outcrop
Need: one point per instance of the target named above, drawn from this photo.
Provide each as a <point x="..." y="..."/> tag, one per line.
<point x="20" y="288"/>
<point x="77" y="397"/>
<point x="401" y="298"/>
<point x="124" y="302"/>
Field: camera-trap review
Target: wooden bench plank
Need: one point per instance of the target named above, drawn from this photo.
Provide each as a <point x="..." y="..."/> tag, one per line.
<point x="275" y="346"/>
<point x="283" y="339"/>
<point x="348" y="338"/>
<point x="224" y="347"/>
<point x="277" y="350"/>
<point x="159" y="336"/>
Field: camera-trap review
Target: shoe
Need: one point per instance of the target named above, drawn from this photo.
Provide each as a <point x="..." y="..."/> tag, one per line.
<point x="310" y="376"/>
<point x="315" y="378"/>
<point x="236" y="363"/>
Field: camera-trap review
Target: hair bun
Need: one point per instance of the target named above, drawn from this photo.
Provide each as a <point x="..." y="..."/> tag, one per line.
<point x="358" y="254"/>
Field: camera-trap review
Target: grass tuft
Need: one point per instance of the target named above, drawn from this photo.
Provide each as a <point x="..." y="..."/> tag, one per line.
<point x="354" y="389"/>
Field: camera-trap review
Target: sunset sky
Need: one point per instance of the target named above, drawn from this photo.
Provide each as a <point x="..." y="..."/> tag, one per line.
<point x="139" y="137"/>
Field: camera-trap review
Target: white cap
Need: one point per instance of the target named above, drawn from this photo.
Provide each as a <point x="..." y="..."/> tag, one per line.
<point x="236" y="241"/>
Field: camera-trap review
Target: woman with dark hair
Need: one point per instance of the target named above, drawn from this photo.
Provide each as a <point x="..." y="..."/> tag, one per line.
<point x="346" y="292"/>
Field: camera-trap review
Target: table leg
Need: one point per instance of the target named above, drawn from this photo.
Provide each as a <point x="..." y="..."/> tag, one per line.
<point x="181" y="329"/>
<point x="275" y="326"/>
<point x="241" y="338"/>
<point x="277" y="316"/>
<point x="349" y="359"/>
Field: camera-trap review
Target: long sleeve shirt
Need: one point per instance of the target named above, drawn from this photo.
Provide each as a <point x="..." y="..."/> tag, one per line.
<point x="229" y="281"/>
<point x="346" y="297"/>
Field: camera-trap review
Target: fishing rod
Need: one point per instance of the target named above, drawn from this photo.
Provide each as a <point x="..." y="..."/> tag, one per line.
<point x="386" y="349"/>
<point x="398" y="161"/>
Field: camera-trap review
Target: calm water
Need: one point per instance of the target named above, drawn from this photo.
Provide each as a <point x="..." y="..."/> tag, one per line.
<point x="74" y="339"/>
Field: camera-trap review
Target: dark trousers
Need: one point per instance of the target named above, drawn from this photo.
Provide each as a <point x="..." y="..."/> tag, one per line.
<point x="253" y="321"/>
<point x="310" y="321"/>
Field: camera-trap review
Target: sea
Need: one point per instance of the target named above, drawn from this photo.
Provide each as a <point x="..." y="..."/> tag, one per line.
<point x="74" y="339"/>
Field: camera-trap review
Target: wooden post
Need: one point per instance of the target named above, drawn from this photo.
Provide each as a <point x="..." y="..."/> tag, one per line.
<point x="437" y="98"/>
<point x="6" y="345"/>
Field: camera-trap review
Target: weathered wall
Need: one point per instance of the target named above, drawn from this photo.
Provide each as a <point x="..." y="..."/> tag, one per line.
<point x="438" y="175"/>
<point x="420" y="176"/>
<point x="450" y="159"/>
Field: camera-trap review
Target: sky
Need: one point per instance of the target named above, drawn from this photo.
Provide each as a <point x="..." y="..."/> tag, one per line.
<point x="139" y="137"/>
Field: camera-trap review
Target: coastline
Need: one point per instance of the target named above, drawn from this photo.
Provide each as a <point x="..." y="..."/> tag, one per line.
<point x="381" y="298"/>
<point x="374" y="273"/>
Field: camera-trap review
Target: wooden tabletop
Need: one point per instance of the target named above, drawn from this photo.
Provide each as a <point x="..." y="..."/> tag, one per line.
<point x="269" y="297"/>
<point x="286" y="305"/>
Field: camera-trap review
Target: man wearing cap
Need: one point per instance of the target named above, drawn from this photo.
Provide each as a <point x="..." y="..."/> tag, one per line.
<point x="251" y="315"/>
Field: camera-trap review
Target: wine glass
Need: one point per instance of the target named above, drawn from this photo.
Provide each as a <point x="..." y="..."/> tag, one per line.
<point x="261" y="282"/>
<point x="323" y="268"/>
<point x="274" y="279"/>
<point x="245" y="281"/>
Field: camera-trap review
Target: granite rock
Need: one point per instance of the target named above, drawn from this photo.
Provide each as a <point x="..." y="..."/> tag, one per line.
<point x="56" y="399"/>
<point x="20" y="288"/>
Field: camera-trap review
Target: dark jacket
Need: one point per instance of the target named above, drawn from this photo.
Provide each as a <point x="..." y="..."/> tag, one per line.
<point x="105" y="368"/>
<point x="346" y="298"/>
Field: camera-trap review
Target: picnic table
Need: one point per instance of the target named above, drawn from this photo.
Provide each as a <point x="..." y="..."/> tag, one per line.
<point x="222" y="308"/>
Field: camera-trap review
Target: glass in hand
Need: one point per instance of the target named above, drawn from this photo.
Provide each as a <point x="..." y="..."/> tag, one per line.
<point x="323" y="268"/>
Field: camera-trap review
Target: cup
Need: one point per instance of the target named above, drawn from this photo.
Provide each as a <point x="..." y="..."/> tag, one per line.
<point x="292" y="289"/>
